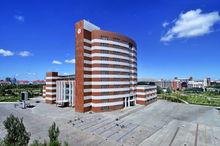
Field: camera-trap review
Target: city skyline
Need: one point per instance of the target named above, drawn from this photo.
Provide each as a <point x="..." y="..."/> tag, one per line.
<point x="35" y="38"/>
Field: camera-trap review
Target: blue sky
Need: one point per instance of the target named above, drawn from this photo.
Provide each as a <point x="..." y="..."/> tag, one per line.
<point x="174" y="38"/>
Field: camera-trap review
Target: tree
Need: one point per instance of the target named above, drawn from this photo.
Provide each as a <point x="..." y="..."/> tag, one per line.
<point x="169" y="90"/>
<point x="16" y="132"/>
<point x="159" y="90"/>
<point x="53" y="134"/>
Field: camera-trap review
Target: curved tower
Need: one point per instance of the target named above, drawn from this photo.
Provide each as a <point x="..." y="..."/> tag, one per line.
<point x="106" y="69"/>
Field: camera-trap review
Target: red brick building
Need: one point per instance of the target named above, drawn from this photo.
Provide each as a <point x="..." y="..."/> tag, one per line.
<point x="106" y="69"/>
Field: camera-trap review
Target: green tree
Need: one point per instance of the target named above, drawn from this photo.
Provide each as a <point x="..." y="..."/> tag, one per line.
<point x="159" y="90"/>
<point x="53" y="134"/>
<point x="16" y="132"/>
<point x="169" y="90"/>
<point x="37" y="143"/>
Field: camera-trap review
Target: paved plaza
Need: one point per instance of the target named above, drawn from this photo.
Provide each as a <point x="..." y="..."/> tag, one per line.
<point x="161" y="123"/>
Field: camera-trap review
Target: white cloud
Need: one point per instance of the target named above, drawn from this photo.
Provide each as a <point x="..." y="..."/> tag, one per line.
<point x="32" y="73"/>
<point x="192" y="24"/>
<point x="24" y="53"/>
<point x="6" y="52"/>
<point x="71" y="61"/>
<point x="19" y="18"/>
<point x="165" y="24"/>
<point x="56" y="62"/>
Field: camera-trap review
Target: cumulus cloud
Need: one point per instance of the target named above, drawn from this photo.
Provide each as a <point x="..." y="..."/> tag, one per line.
<point x="24" y="53"/>
<point x="6" y="52"/>
<point x="19" y="18"/>
<point x="165" y="24"/>
<point x="191" y="24"/>
<point x="56" y="62"/>
<point x="71" y="61"/>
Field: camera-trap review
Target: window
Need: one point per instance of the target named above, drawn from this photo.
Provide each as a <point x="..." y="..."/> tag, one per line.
<point x="130" y="45"/>
<point x="116" y="39"/>
<point x="104" y="72"/>
<point x="105" y="100"/>
<point x="104" y="79"/>
<point x="104" y="93"/>
<point x="105" y="108"/>
<point x="104" y="38"/>
<point x="104" y="58"/>
<point x="103" y="44"/>
<point x="104" y="86"/>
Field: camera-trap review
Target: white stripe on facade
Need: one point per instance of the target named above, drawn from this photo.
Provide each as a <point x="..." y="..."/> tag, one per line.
<point x="103" y="104"/>
<point x="107" y="89"/>
<point x="106" y="69"/>
<point x="108" y="62"/>
<point x="109" y="55"/>
<point x="105" y="76"/>
<point x="146" y="87"/>
<point x="87" y="55"/>
<point x="50" y="83"/>
<point x="87" y="41"/>
<point x="110" y="49"/>
<point x="108" y="96"/>
<point x="87" y="48"/>
<point x="141" y="99"/>
<point x="50" y="88"/>
<point x="50" y="93"/>
<point x="110" y="42"/>
<point x="107" y="83"/>
<point x="50" y="98"/>
<point x="51" y="78"/>
<point x="141" y="93"/>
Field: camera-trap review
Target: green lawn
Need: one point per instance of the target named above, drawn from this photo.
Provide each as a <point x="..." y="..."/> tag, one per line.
<point x="11" y="93"/>
<point x="193" y="98"/>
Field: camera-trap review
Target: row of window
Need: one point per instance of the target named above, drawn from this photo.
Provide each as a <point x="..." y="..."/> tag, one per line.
<point x="115" y="86"/>
<point x="117" y="60"/>
<point x="114" y="92"/>
<point x="115" y="53"/>
<point x="116" y="46"/>
<point x="115" y="66"/>
<point x="110" y="73"/>
<point x="113" y="39"/>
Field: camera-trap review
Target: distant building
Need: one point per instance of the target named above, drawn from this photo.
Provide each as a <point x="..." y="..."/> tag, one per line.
<point x="2" y="82"/>
<point x="39" y="82"/>
<point x="11" y="80"/>
<point x="207" y="82"/>
<point x="164" y="83"/>
<point x="195" y="84"/>
<point x="176" y="85"/>
<point x="23" y="82"/>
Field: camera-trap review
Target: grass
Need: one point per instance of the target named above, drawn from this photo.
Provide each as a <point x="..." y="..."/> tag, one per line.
<point x="193" y="98"/>
<point x="9" y="98"/>
<point x="11" y="93"/>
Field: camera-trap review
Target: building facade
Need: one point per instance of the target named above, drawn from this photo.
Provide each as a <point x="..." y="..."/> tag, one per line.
<point x="59" y="89"/>
<point x="65" y="92"/>
<point x="195" y="84"/>
<point x="146" y="94"/>
<point x="106" y="69"/>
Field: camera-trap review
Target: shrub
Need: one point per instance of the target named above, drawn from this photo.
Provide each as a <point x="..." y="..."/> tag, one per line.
<point x="53" y="132"/>
<point x="16" y="132"/>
